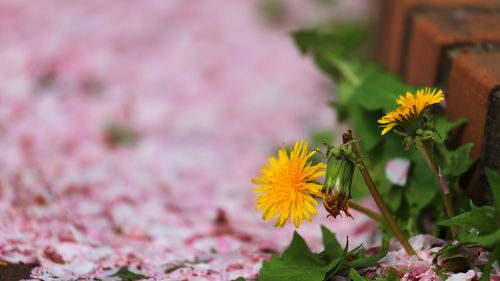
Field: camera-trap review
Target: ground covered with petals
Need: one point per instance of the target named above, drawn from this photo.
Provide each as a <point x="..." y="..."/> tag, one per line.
<point x="129" y="134"/>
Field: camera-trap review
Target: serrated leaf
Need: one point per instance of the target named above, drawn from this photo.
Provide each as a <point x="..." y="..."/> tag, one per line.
<point x="355" y="276"/>
<point x="488" y="240"/>
<point x="363" y="121"/>
<point x="297" y="247"/>
<point x="278" y="269"/>
<point x="361" y="262"/>
<point x="337" y="263"/>
<point x="343" y="98"/>
<point x="481" y="218"/>
<point x="422" y="182"/>
<point x="298" y="264"/>
<point x="379" y="88"/>
<point x="126" y="275"/>
<point x="332" y="247"/>
<point x="459" y="161"/>
<point x="494" y="181"/>
<point x="444" y="126"/>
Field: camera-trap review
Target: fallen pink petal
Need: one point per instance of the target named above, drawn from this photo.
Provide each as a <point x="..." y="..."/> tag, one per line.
<point x="133" y="133"/>
<point x="397" y="171"/>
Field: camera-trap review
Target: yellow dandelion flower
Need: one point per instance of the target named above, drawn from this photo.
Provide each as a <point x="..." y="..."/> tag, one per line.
<point x="286" y="185"/>
<point x="410" y="107"/>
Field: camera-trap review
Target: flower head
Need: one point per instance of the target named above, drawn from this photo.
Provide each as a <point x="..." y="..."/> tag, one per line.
<point x="338" y="180"/>
<point x="410" y="109"/>
<point x="286" y="185"/>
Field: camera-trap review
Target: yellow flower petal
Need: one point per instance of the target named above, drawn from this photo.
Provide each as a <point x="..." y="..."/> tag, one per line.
<point x="286" y="188"/>
<point x="410" y="106"/>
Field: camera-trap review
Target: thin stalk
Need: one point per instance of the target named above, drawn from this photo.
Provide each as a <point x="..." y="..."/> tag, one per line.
<point x="367" y="212"/>
<point x="343" y="68"/>
<point x="347" y="137"/>
<point x="426" y="149"/>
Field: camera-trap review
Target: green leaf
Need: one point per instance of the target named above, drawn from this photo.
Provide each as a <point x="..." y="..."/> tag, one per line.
<point x="280" y="269"/>
<point x="366" y="129"/>
<point x="361" y="262"/>
<point x="441" y="273"/>
<point x="378" y="88"/>
<point x="332" y="247"/>
<point x="343" y="99"/>
<point x="494" y="181"/>
<point x="297" y="247"/>
<point x="339" y="39"/>
<point x="355" y="275"/>
<point x="488" y="240"/>
<point x="422" y="182"/>
<point x="299" y="264"/>
<point x="459" y="161"/>
<point x="481" y="218"/>
<point x="127" y="275"/>
<point x="337" y="263"/>
<point x="444" y="126"/>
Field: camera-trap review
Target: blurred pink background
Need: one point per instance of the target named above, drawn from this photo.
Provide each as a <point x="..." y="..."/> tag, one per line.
<point x="201" y="91"/>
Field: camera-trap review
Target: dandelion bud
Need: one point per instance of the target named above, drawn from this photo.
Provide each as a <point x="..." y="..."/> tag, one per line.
<point x="337" y="186"/>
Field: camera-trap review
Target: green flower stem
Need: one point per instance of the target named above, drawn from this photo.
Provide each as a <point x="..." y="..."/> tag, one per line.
<point x="367" y="212"/>
<point x="343" y="68"/>
<point x="347" y="137"/>
<point x="425" y="148"/>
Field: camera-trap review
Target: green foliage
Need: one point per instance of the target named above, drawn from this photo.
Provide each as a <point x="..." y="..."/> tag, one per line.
<point x="444" y="127"/>
<point x="459" y="162"/>
<point x="298" y="263"/>
<point x="364" y="93"/>
<point x="480" y="218"/>
<point x="126" y="275"/>
<point x="494" y="181"/>
<point x="361" y="260"/>
<point x="355" y="276"/>
<point x="332" y="248"/>
<point x="340" y="38"/>
<point x="481" y="225"/>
